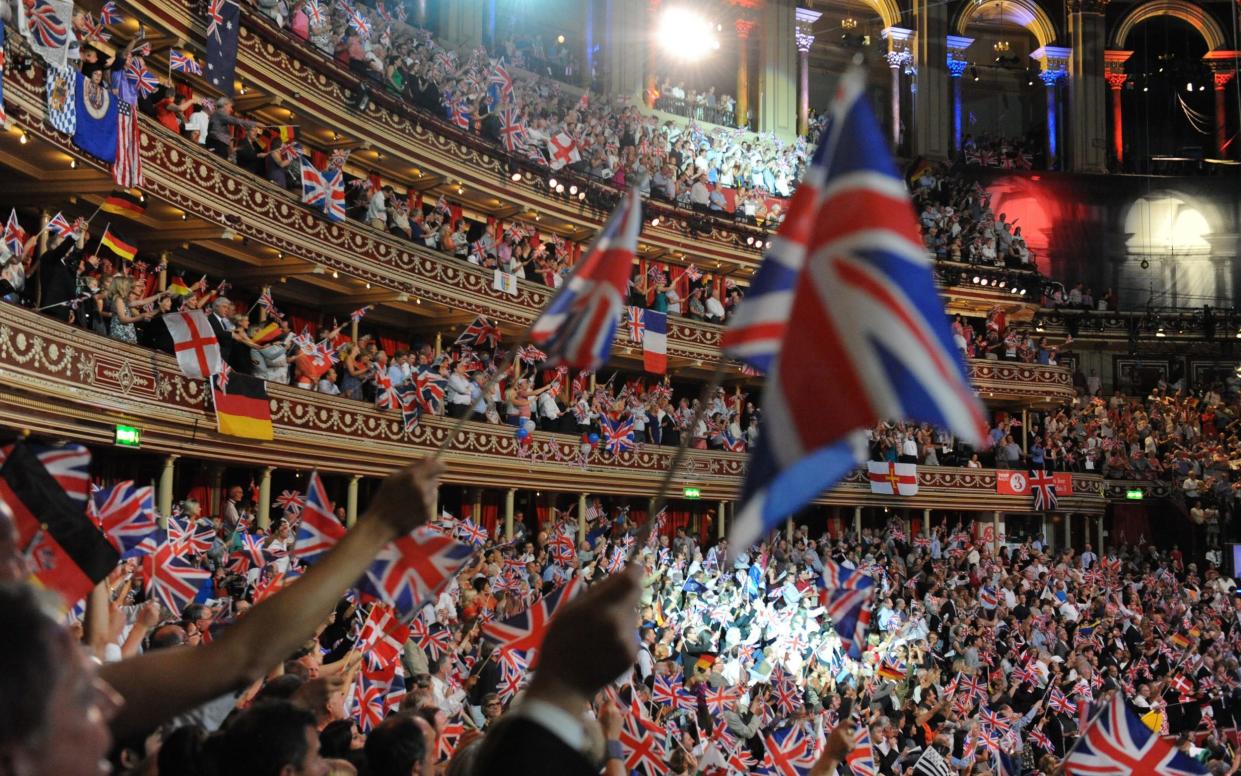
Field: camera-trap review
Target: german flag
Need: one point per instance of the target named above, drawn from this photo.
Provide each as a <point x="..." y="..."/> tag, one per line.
<point x="68" y="553"/>
<point x="1179" y="640"/>
<point x="117" y="245"/>
<point x="177" y="286"/>
<point x="893" y="671"/>
<point x="125" y="202"/>
<point x="266" y="334"/>
<point x="241" y="407"/>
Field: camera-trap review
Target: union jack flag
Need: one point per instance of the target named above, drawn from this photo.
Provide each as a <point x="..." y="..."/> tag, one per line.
<point x="250" y="554"/>
<point x="59" y="226"/>
<point x="459" y="114"/>
<point x="579" y="324"/>
<point x="501" y="78"/>
<point x="413" y="569"/>
<point x="125" y="513"/>
<point x="643" y="742"/>
<point x="666" y="689"/>
<point x="848" y="596"/>
<point x="1060" y="702"/>
<point x="721" y="699"/>
<point x="146" y="82"/>
<point x="732" y="444"/>
<point x="45" y="24"/>
<point x="561" y="549"/>
<point x="471" y="533"/>
<point x="617" y="434"/>
<point x="448" y="737"/>
<point x="435" y="640"/>
<point x="1041" y="740"/>
<point x="861" y="758"/>
<point x="790" y="751"/>
<point x="14" y="234"/>
<point x="290" y="502"/>
<point x="846" y="284"/>
<point x="1117" y="742"/>
<point x="429" y="388"/>
<point x="386" y="397"/>
<point x="109" y="14"/>
<point x="171" y="578"/>
<point x="512" y="130"/>
<point x="383" y="637"/>
<point x="635" y="320"/>
<point x="357" y="20"/>
<point x="314" y="12"/>
<point x="524" y="632"/>
<point x="369" y="700"/>
<point x="319" y="530"/>
<point x="1043" y="486"/>
<point x="480" y="332"/>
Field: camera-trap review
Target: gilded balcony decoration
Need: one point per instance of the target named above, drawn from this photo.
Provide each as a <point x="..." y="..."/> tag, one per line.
<point x="64" y="381"/>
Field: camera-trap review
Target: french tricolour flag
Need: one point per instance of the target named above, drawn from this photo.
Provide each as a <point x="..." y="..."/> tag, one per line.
<point x="655" y="342"/>
<point x="578" y="327"/>
<point x="844" y="299"/>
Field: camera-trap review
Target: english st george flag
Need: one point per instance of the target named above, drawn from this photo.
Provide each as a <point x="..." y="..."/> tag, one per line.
<point x="845" y="297"/>
<point x="579" y="324"/>
<point x="194" y="344"/>
<point x="241" y="406"/>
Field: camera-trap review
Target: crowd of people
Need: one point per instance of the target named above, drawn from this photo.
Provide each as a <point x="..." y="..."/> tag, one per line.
<point x="687" y="661"/>
<point x="700" y="105"/>
<point x="958" y="223"/>
<point x="1002" y="152"/>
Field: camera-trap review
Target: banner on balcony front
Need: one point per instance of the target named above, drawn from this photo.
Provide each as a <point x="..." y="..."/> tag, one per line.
<point x="1017" y="483"/>
<point x="893" y="479"/>
<point x="505" y="283"/>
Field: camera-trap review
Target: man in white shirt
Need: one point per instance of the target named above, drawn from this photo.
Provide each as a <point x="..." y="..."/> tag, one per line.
<point x="196" y="126"/>
<point x="699" y="197"/>
<point x="715" y="308"/>
<point x="1088" y="558"/>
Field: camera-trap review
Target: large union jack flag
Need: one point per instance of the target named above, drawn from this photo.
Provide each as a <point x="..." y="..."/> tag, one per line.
<point x="1043" y="486"/>
<point x="171" y="578"/>
<point x="480" y="332"/>
<point x="512" y="130"/>
<point x="125" y="513"/>
<point x="861" y="758"/>
<point x="413" y="569"/>
<point x="848" y="596"/>
<point x="643" y="742"/>
<point x="790" y="751"/>
<point x="617" y="434"/>
<point x="635" y="320"/>
<point x="1117" y="742"/>
<point x="319" y="530"/>
<point x="577" y="327"/>
<point x="524" y="632"/>
<point x="845" y="297"/>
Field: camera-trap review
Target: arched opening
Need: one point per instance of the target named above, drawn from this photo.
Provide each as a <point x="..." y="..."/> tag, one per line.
<point x="1193" y="15"/>
<point x="1167" y="254"/>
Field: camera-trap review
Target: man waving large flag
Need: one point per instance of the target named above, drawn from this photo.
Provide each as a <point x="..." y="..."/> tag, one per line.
<point x="577" y="328"/>
<point x="844" y="302"/>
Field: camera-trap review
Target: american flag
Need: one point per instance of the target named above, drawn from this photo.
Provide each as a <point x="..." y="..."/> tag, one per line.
<point x="635" y="320"/>
<point x="127" y="168"/>
<point x="413" y="569"/>
<point x="579" y="324"/>
<point x="319" y="530"/>
<point x="1117" y="742"/>
<point x="125" y="513"/>
<point x="846" y="297"/>
<point x="524" y="632"/>
<point x="480" y="332"/>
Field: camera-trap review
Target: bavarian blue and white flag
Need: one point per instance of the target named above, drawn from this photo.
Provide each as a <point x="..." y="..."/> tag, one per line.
<point x="62" y="91"/>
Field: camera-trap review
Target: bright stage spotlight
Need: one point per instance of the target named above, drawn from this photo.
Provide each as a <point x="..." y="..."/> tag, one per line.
<point x="686" y="35"/>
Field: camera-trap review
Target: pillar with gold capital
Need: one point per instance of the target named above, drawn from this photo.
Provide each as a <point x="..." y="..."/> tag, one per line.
<point x="1114" y="73"/>
<point x="163" y="496"/>
<point x="351" y="500"/>
<point x="263" y="508"/>
<point x="744" y="28"/>
<point x="804" y="36"/>
<point x="509" y="497"/>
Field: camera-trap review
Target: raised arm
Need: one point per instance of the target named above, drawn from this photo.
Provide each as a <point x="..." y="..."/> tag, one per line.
<point x="161" y="684"/>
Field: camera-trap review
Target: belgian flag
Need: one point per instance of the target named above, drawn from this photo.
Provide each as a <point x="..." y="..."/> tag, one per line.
<point x="125" y="202"/>
<point x="67" y="552"/>
<point x="241" y="407"/>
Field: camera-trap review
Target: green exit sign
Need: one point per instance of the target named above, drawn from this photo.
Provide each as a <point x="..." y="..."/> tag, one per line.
<point x="691" y="492"/>
<point x="127" y="436"/>
<point x="1135" y="494"/>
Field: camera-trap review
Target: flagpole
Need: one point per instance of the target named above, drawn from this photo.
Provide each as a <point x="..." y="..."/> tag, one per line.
<point x="661" y="497"/>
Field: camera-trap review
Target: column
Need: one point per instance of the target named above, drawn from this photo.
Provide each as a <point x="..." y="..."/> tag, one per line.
<point x="264" y="506"/>
<point x="1025" y="431"/>
<point x="581" y="517"/>
<point x="163" y="272"/>
<point x="1114" y="65"/>
<point x="777" y="91"/>
<point x="167" y="474"/>
<point x="477" y="515"/>
<point x="629" y="29"/>
<point x="857" y="522"/>
<point x="1087" y="122"/>
<point x="788" y="529"/>
<point x="1054" y="63"/>
<point x="958" y="63"/>
<point x="1098" y="547"/>
<point x="931" y="121"/>
<point x="720" y="530"/>
<point x="462" y="22"/>
<point x="898" y="56"/>
<point x="1224" y="68"/>
<point x="805" y="39"/>
<point x="351" y="501"/>
<point x="926" y="523"/>
<point x="509" y="497"/>
<point x="216" y="481"/>
<point x="995" y="532"/>
<point x="744" y="28"/>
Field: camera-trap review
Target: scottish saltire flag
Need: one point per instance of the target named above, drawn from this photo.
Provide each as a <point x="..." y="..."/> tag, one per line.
<point x="848" y="596"/>
<point x="578" y="326"/>
<point x="319" y="530"/>
<point x="845" y="298"/>
<point x="1117" y="743"/>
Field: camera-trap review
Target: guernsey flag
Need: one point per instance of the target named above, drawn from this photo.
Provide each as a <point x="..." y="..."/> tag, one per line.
<point x="117" y="246"/>
<point x="241" y="407"/>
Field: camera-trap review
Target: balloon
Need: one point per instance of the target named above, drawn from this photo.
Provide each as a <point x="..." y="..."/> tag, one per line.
<point x="585" y="448"/>
<point x="594" y="439"/>
<point x="522" y="432"/>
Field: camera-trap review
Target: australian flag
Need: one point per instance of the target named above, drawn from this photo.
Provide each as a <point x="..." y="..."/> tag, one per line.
<point x="845" y="297"/>
<point x="578" y="326"/>
<point x="223" y="26"/>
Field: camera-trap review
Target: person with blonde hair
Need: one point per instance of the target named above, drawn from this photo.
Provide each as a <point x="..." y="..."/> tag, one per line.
<point x="126" y="306"/>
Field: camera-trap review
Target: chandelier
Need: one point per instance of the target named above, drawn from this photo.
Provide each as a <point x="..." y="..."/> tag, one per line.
<point x="848" y="23"/>
<point x="1001" y="46"/>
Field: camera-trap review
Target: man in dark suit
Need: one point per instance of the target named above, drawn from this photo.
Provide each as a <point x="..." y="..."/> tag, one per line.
<point x="234" y="352"/>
